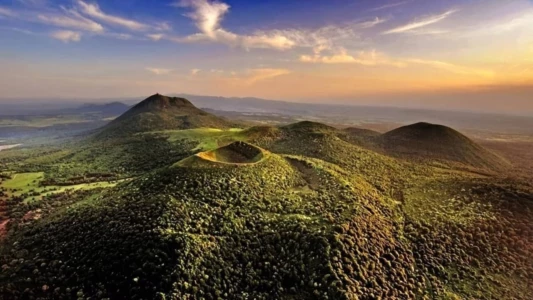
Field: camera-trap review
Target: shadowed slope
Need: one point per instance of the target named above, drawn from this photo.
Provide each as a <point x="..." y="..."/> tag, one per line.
<point x="424" y="140"/>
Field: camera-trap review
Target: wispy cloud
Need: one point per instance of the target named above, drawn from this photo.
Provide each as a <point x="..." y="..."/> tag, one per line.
<point x="21" y="30"/>
<point x="208" y="16"/>
<point x="366" y="58"/>
<point x="159" y="71"/>
<point x="7" y="12"/>
<point x="195" y="71"/>
<point x="420" y="23"/>
<point x="264" y="74"/>
<point x="375" y="58"/>
<point x="35" y="3"/>
<point x="163" y="26"/>
<point x="93" y="10"/>
<point x="155" y="36"/>
<point x="391" y="5"/>
<point x="371" y="23"/>
<point x="457" y="69"/>
<point x="75" y="21"/>
<point x="66" y="36"/>
<point x="507" y="24"/>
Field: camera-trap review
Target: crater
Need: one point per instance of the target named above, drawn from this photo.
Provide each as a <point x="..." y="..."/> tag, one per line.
<point x="234" y="153"/>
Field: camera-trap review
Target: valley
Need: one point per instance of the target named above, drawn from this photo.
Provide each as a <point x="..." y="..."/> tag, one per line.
<point x="169" y="201"/>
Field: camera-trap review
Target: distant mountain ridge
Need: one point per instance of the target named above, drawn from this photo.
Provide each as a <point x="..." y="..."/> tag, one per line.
<point x="106" y="109"/>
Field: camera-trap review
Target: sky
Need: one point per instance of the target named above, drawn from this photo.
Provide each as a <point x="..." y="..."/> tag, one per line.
<point x="450" y="54"/>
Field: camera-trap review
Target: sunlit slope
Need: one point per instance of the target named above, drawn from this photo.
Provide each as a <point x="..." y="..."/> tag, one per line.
<point x="320" y="141"/>
<point x="269" y="229"/>
<point x="301" y="214"/>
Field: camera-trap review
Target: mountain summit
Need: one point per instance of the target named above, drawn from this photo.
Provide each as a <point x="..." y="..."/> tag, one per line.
<point x="159" y="112"/>
<point x="438" y="142"/>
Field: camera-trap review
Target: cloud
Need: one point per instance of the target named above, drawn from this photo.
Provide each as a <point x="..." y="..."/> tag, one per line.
<point x="21" y="30"/>
<point x="195" y="71"/>
<point x="391" y="5"/>
<point x="6" y="12"/>
<point x="33" y="2"/>
<point x="372" y="23"/>
<point x="163" y="26"/>
<point x="256" y="75"/>
<point x="524" y="21"/>
<point x="93" y="10"/>
<point x="452" y="67"/>
<point x="75" y="22"/>
<point x="374" y="58"/>
<point x="428" y="31"/>
<point x="159" y="71"/>
<point x="120" y="36"/>
<point x="366" y="58"/>
<point x="66" y="36"/>
<point x="155" y="36"/>
<point x="208" y="16"/>
<point x="420" y="23"/>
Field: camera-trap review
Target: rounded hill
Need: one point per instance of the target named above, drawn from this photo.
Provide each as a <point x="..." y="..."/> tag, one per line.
<point x="159" y="112"/>
<point x="309" y="126"/>
<point x="431" y="141"/>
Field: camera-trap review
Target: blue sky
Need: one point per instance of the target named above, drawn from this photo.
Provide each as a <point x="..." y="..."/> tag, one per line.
<point x="412" y="52"/>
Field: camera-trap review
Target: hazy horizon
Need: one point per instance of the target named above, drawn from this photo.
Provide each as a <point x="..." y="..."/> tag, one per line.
<point x="473" y="55"/>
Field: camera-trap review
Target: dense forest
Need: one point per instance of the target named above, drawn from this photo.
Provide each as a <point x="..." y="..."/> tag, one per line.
<point x="304" y="211"/>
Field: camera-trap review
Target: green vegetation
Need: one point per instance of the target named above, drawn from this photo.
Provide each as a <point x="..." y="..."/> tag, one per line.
<point x="159" y="112"/>
<point x="40" y="121"/>
<point x="207" y="138"/>
<point x="441" y="143"/>
<point x="29" y="186"/>
<point x="304" y="211"/>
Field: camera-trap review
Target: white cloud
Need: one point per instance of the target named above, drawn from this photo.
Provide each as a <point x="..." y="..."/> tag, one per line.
<point x="391" y="5"/>
<point x="366" y="58"/>
<point x="7" y="12"/>
<point x="155" y="36"/>
<point x="374" y="58"/>
<point x="21" y="30"/>
<point x="372" y="23"/>
<point x="93" y="10"/>
<point x="38" y="3"/>
<point x="253" y="76"/>
<point x="508" y="24"/>
<point x="420" y="23"/>
<point x="457" y="69"/>
<point x="159" y="71"/>
<point x="66" y="36"/>
<point x="195" y="71"/>
<point x="208" y="16"/>
<point x="120" y="36"/>
<point x="163" y="26"/>
<point x="74" y="22"/>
